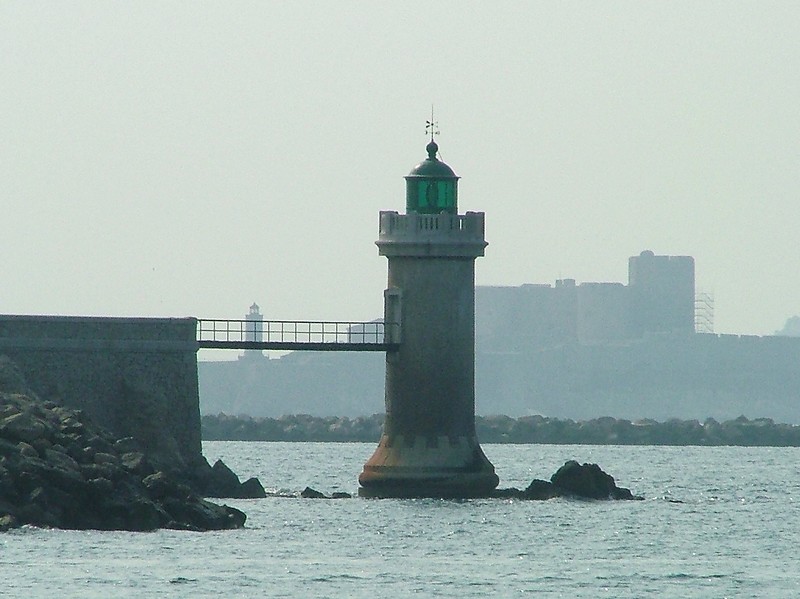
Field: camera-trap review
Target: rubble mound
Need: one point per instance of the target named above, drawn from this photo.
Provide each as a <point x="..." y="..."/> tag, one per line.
<point x="58" y="469"/>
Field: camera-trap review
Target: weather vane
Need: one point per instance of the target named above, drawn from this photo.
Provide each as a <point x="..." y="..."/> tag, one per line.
<point x="431" y="126"/>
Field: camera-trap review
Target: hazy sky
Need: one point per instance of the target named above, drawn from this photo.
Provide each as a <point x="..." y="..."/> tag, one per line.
<point x="190" y="158"/>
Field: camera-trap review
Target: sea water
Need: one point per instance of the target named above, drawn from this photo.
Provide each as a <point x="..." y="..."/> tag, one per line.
<point x="715" y="522"/>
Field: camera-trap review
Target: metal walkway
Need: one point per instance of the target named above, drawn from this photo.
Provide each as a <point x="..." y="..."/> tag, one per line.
<point x="296" y="335"/>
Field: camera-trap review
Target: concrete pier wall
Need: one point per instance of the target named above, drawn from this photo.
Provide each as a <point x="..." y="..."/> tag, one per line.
<point x="134" y="376"/>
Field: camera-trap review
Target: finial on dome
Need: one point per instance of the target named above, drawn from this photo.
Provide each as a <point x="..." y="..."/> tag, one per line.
<point x="432" y="127"/>
<point x="432" y="148"/>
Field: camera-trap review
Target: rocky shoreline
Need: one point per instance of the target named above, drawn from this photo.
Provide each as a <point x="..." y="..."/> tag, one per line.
<point x="58" y="469"/>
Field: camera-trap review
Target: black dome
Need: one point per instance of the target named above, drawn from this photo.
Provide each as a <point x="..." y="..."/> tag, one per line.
<point x="432" y="166"/>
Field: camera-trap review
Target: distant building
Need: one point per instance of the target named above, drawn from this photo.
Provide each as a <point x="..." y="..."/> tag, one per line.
<point x="661" y="294"/>
<point x="791" y="328"/>
<point x="659" y="298"/>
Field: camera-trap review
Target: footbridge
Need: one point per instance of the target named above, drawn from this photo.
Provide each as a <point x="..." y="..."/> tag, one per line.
<point x="297" y="335"/>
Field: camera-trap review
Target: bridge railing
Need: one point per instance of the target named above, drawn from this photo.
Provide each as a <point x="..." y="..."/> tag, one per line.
<point x="294" y="334"/>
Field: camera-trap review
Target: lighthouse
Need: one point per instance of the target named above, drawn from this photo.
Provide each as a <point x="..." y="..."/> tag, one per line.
<point x="429" y="447"/>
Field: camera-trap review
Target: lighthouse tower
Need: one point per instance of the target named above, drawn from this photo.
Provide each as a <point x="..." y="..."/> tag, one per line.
<point x="429" y="447"/>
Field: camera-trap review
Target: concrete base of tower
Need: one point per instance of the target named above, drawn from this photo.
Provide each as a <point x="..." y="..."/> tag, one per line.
<point x="441" y="467"/>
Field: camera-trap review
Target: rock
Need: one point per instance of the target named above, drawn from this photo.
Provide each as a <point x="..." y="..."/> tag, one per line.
<point x="41" y="445"/>
<point x="91" y="470"/>
<point x="102" y="458"/>
<point x="252" y="489"/>
<point x="159" y="485"/>
<point x="8" y="522"/>
<point x="540" y="489"/>
<point x="57" y="469"/>
<point x="145" y="516"/>
<point x="60" y="460"/>
<point x="71" y="425"/>
<point x="221" y="481"/>
<point x="309" y="493"/>
<point x="84" y="454"/>
<point x="35" y="514"/>
<point x="508" y="493"/>
<point x="38" y="496"/>
<point x="127" y="445"/>
<point x="8" y="447"/>
<point x="68" y="480"/>
<point x="27" y="451"/>
<point x="22" y="426"/>
<point x="201" y="515"/>
<point x="8" y="489"/>
<point x="100" y="487"/>
<point x="587" y="481"/>
<point x="136" y="462"/>
<point x="224" y="481"/>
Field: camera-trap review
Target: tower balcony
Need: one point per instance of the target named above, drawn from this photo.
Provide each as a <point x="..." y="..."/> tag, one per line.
<point x="432" y="235"/>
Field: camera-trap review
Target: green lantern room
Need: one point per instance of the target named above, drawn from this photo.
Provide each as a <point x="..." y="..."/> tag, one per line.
<point x="431" y="186"/>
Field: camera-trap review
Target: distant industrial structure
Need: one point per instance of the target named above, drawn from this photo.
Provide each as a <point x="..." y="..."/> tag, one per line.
<point x="658" y="299"/>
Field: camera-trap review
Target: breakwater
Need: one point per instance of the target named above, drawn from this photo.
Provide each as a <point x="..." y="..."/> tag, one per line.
<point x="656" y="377"/>
<point x="136" y="377"/>
<point x="527" y="429"/>
<point x="58" y="469"/>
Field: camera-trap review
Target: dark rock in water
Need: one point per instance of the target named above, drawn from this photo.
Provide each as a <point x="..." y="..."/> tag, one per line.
<point x="201" y="515"/>
<point x="538" y="489"/>
<point x="252" y="489"/>
<point x="541" y="489"/>
<point x="160" y="486"/>
<point x="221" y="481"/>
<point x="310" y="493"/>
<point x="57" y="469"/>
<point x="507" y="493"/>
<point x="588" y="481"/>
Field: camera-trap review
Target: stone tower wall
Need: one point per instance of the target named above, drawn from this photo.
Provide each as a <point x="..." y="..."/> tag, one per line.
<point x="433" y="370"/>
